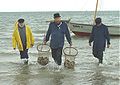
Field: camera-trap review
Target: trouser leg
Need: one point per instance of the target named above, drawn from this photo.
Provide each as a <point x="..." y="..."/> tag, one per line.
<point x="24" y="53"/>
<point x="99" y="55"/>
<point x="95" y="53"/>
<point x="57" y="55"/>
<point x="54" y="54"/>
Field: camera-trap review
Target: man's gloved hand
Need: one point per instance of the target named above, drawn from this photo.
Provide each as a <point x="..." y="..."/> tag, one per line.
<point x="70" y="44"/>
<point x="108" y="45"/>
<point x="32" y="45"/>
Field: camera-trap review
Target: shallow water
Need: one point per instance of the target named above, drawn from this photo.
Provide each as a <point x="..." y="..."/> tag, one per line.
<point x="86" y="72"/>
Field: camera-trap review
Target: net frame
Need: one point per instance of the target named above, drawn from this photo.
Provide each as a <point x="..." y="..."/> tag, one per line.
<point x="70" y="51"/>
<point x="42" y="45"/>
<point x="43" y="54"/>
<point x="70" y="58"/>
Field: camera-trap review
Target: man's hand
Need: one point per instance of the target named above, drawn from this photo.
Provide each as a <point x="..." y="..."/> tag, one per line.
<point x="108" y="45"/>
<point x="89" y="44"/>
<point x="32" y="45"/>
<point x="70" y="44"/>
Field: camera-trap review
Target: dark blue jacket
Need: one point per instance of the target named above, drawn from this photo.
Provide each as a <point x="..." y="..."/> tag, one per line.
<point x="99" y="36"/>
<point x="57" y="33"/>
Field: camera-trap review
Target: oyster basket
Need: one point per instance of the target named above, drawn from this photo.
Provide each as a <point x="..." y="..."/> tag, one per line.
<point x="43" y="54"/>
<point x="70" y="53"/>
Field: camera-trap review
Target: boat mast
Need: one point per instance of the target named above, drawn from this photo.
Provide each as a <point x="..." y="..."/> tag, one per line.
<point x="95" y="13"/>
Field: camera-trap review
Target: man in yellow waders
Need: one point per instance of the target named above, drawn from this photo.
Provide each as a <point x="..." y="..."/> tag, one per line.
<point x="22" y="38"/>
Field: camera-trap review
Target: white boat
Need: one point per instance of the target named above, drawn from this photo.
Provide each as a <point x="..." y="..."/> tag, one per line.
<point x="85" y="29"/>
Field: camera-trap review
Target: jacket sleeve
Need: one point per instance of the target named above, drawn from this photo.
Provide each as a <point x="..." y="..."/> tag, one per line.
<point x="31" y="36"/>
<point x="107" y="36"/>
<point x="91" y="36"/>
<point x="48" y="33"/>
<point x="14" y="43"/>
<point x="67" y="34"/>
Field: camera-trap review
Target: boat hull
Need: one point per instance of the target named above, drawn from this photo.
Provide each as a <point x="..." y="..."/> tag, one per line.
<point x="85" y="29"/>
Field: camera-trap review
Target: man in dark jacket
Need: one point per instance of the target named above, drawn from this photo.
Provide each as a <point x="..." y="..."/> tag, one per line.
<point x="99" y="36"/>
<point x="57" y="30"/>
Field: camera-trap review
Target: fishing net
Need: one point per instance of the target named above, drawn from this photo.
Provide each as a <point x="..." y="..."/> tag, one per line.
<point x="70" y="54"/>
<point x="43" y="54"/>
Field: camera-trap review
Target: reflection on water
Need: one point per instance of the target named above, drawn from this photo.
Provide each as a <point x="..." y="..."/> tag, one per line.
<point x="23" y="76"/>
<point x="85" y="73"/>
<point x="57" y="77"/>
<point x="97" y="77"/>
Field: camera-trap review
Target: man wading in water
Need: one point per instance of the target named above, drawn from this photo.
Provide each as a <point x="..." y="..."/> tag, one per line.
<point x="23" y="38"/>
<point x="99" y="36"/>
<point x="57" y="30"/>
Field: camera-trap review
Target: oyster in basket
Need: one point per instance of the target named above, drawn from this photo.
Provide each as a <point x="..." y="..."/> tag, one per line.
<point x="43" y="60"/>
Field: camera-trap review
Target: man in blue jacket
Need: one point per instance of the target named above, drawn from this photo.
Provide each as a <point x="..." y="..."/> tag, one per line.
<point x="99" y="36"/>
<point x="57" y="30"/>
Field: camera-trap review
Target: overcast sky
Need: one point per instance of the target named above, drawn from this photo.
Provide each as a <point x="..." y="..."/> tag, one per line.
<point x="57" y="5"/>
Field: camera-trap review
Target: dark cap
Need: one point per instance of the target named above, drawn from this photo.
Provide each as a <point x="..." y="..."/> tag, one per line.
<point x="21" y="20"/>
<point x="98" y="21"/>
<point x="56" y="15"/>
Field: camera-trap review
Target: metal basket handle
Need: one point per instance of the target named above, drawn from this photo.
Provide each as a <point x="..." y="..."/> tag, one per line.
<point x="40" y="50"/>
<point x="70" y="51"/>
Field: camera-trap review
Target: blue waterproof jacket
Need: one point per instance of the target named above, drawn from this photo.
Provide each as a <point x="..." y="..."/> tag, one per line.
<point x="99" y="36"/>
<point x="57" y="33"/>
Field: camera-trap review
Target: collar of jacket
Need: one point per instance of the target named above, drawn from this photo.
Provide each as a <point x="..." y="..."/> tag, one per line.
<point x="59" y="25"/>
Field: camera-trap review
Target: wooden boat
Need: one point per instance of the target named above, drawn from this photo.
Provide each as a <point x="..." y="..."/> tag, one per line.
<point x="85" y="29"/>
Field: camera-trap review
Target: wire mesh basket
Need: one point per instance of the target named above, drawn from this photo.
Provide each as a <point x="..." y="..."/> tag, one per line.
<point x="43" y="54"/>
<point x="70" y="54"/>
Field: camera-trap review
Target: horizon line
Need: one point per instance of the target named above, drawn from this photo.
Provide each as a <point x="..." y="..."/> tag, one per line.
<point x="60" y="11"/>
